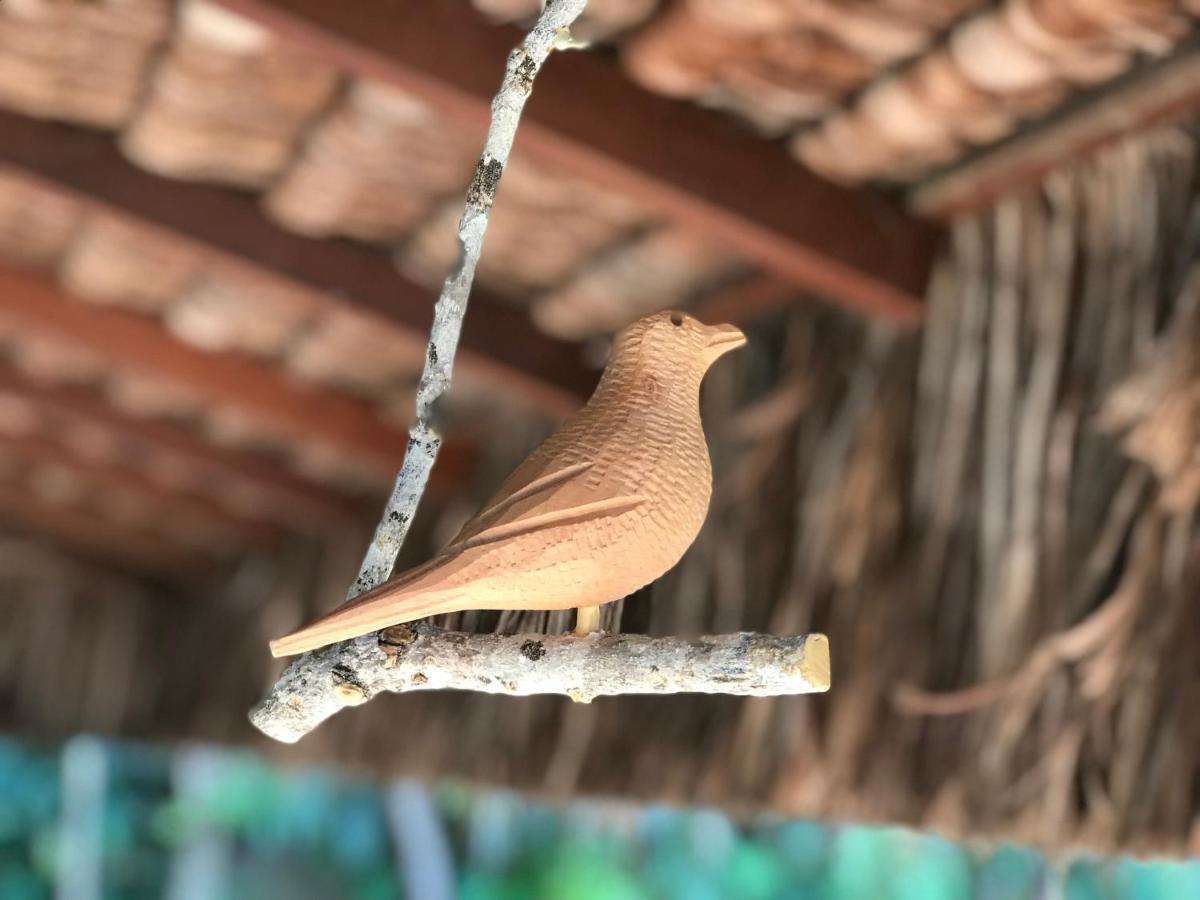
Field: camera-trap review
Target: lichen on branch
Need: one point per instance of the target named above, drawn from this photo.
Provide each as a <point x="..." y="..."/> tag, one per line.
<point x="423" y="657"/>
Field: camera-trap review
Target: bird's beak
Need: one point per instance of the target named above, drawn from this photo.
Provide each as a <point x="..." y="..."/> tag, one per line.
<point x="720" y="339"/>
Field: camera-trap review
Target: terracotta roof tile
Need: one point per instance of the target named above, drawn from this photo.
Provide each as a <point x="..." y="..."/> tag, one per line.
<point x="82" y="62"/>
<point x="67" y="490"/>
<point x="90" y="441"/>
<point x="331" y="467"/>
<point x="1080" y="54"/>
<point x="46" y="360"/>
<point x="543" y="227"/>
<point x="238" y="496"/>
<point x="689" y="56"/>
<point x="152" y="398"/>
<point x="779" y="63"/>
<point x="870" y="29"/>
<point x="57" y="485"/>
<point x="665" y="268"/>
<point x="226" y="102"/>
<point x="230" y="313"/>
<point x="373" y="167"/>
<point x="969" y="111"/>
<point x="131" y="510"/>
<point x="145" y="397"/>
<point x="895" y="109"/>
<point x="1007" y="63"/>
<point x="355" y="351"/>
<point x="122" y="265"/>
<point x="602" y="18"/>
<point x="36" y="225"/>
<point x="234" y="428"/>
<point x="790" y="77"/>
<point x="18" y="416"/>
<point x="993" y="58"/>
<point x="172" y="472"/>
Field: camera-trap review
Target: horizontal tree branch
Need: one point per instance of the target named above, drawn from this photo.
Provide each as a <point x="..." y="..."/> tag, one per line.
<point x="422" y="657"/>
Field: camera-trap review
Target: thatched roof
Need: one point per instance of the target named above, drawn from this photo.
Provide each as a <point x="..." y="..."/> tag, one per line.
<point x="209" y="349"/>
<point x="1007" y="588"/>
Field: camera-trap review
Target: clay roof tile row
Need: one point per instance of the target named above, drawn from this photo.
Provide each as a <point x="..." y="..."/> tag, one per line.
<point x="992" y="71"/>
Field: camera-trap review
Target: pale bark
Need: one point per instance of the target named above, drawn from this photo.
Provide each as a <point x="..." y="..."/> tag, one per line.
<point x="524" y="63"/>
<point x="422" y="657"/>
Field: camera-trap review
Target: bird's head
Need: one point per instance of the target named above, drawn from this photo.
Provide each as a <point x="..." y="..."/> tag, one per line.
<point x="675" y="339"/>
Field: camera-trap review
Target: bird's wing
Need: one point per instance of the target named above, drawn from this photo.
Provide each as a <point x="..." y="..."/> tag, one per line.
<point x="523" y="524"/>
<point x="558" y="497"/>
<point x="523" y="493"/>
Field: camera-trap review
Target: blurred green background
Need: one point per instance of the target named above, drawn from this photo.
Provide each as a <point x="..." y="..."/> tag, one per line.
<point x="97" y="819"/>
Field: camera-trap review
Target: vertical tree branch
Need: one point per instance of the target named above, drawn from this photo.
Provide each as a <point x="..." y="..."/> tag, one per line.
<point x="524" y="63"/>
<point x="551" y="30"/>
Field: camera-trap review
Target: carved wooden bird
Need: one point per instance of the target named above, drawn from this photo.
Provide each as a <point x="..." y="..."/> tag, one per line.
<point x="604" y="506"/>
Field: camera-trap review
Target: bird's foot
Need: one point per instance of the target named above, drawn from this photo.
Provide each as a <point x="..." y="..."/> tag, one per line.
<point x="587" y="620"/>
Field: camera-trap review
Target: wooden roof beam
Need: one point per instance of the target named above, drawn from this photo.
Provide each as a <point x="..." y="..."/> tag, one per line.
<point x="88" y="533"/>
<point x="500" y="346"/>
<point x="289" y="499"/>
<point x="195" y="508"/>
<point x="1150" y="95"/>
<point x="130" y="342"/>
<point x="851" y="246"/>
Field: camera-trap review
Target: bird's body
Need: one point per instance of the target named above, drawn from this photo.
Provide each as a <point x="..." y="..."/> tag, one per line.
<point x="606" y="505"/>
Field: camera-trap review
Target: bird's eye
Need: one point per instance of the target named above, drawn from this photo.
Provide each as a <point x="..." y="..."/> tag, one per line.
<point x="676" y="319"/>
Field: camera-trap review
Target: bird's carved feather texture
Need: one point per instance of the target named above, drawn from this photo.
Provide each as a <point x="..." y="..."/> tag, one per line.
<point x="604" y="506"/>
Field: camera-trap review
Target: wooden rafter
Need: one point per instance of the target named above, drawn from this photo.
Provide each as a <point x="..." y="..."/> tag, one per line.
<point x="195" y="508"/>
<point x="92" y="535"/>
<point x="500" y="345"/>
<point x="851" y="246"/>
<point x="288" y="499"/>
<point x="37" y="304"/>
<point x="1155" y="94"/>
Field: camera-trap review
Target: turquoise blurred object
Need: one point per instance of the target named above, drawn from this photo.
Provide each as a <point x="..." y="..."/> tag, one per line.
<point x="1010" y="872"/>
<point x="129" y="821"/>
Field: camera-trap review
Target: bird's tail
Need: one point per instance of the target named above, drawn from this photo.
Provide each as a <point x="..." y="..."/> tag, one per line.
<point x="396" y="601"/>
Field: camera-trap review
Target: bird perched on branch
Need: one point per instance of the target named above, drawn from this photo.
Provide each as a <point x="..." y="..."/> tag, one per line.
<point x="606" y="505"/>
